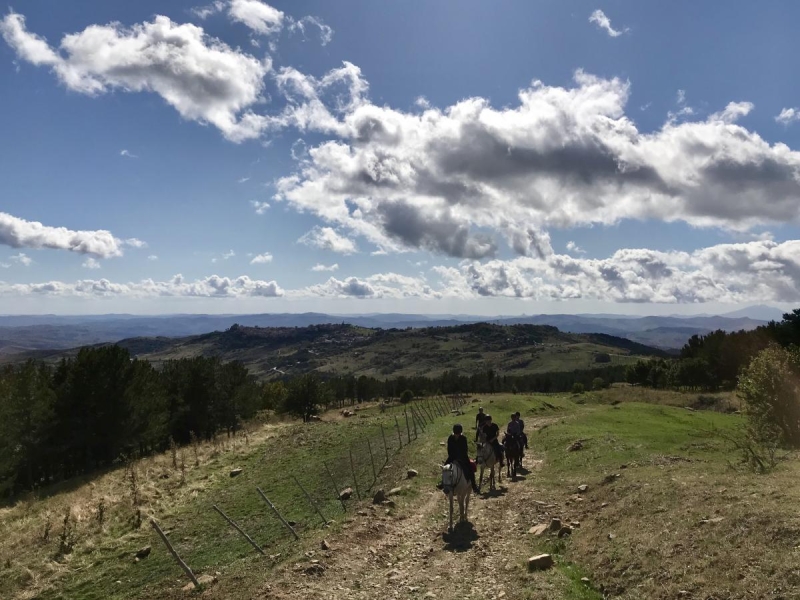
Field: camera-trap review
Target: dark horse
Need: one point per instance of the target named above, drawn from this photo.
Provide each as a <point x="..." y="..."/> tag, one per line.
<point x="513" y="445"/>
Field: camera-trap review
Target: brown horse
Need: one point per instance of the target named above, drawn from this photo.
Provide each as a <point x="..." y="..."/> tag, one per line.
<point x="513" y="445"/>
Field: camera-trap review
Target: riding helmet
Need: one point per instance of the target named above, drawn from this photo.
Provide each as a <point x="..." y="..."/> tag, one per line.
<point x="457" y="428"/>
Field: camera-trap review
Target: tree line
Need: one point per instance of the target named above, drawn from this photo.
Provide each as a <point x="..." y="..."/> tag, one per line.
<point x="102" y="406"/>
<point x="715" y="361"/>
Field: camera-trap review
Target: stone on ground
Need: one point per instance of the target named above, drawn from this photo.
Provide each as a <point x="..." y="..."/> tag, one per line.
<point x="235" y="472"/>
<point x="582" y="488"/>
<point x="411" y="473"/>
<point x="555" y="524"/>
<point x="345" y="494"/>
<point x="538" y="530"/>
<point x="143" y="552"/>
<point x="379" y="497"/>
<point x="540" y="562"/>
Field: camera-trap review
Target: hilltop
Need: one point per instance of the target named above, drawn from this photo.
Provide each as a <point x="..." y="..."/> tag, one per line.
<point x="348" y="349"/>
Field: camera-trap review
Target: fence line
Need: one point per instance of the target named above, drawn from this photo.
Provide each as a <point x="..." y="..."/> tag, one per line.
<point x="350" y="466"/>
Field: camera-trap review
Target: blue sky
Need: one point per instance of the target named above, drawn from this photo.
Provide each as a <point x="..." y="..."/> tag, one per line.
<point x="653" y="167"/>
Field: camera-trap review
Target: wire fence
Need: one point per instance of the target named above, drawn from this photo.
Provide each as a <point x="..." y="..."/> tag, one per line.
<point x="292" y="500"/>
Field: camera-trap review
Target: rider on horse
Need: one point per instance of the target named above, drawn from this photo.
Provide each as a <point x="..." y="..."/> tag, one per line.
<point x="522" y="430"/>
<point x="514" y="430"/>
<point x="480" y="419"/>
<point x="458" y="452"/>
<point x="491" y="433"/>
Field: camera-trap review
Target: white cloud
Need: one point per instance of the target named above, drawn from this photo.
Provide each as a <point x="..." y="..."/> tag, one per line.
<point x="5" y="265"/>
<point x="328" y="239"/>
<point x="18" y="233"/>
<point x="325" y="32"/>
<point x="788" y="115"/>
<point x="258" y="16"/>
<point x="261" y="259"/>
<point x="681" y="97"/>
<point x="451" y="180"/>
<point x="573" y="247"/>
<point x="600" y="19"/>
<point x="135" y="243"/>
<point x="91" y="263"/>
<point x="755" y="271"/>
<point x="203" y="78"/>
<point x="209" y="287"/>
<point x="228" y="254"/>
<point x="152" y="257"/>
<point x="243" y="180"/>
<point x="203" y="12"/>
<point x="127" y="153"/>
<point x="22" y="259"/>
<point x="320" y="267"/>
<point x="383" y="285"/>
<point x="261" y="207"/>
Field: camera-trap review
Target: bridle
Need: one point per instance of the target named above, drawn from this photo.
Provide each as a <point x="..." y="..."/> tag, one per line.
<point x="456" y="480"/>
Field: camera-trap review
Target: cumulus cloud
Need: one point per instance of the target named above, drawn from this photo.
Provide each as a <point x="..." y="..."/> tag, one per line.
<point x="261" y="207"/>
<point x="127" y="153"/>
<point x="327" y="238"/>
<point x="747" y="272"/>
<point x="573" y="247"/>
<point x="382" y="285"/>
<point x="209" y="287"/>
<point x="261" y="259"/>
<point x="135" y="243"/>
<point x="325" y="32"/>
<point x="203" y="78"/>
<point x="228" y="254"/>
<point x="22" y="259"/>
<point x="320" y="267"/>
<point x="600" y="19"/>
<point x="450" y="180"/>
<point x="91" y="263"/>
<point x="788" y="115"/>
<point x="18" y="233"/>
<point x="258" y="16"/>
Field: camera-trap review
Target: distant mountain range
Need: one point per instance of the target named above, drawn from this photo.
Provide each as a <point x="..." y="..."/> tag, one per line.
<point x="38" y="332"/>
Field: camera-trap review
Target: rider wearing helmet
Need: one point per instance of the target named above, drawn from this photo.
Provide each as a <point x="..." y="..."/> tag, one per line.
<point x="458" y="452"/>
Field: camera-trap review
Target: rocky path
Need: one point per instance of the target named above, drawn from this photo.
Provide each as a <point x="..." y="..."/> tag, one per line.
<point x="412" y="555"/>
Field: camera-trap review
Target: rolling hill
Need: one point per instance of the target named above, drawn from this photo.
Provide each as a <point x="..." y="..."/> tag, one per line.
<point x="348" y="349"/>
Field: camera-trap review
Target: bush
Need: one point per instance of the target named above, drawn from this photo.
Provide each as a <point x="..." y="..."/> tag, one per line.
<point x="598" y="383"/>
<point x="602" y="358"/>
<point x="771" y="394"/>
<point x="577" y="388"/>
<point x="406" y="396"/>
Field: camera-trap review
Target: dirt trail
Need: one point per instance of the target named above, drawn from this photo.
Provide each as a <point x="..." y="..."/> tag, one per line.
<point x="381" y="556"/>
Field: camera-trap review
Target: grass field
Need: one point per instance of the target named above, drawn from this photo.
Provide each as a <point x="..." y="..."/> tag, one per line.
<point x="667" y="513"/>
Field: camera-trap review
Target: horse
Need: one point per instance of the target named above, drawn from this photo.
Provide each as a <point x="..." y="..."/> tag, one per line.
<point x="487" y="459"/>
<point x="513" y="446"/>
<point x="455" y="482"/>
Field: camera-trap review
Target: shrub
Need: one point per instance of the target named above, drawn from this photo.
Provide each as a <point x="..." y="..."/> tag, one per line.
<point x="602" y="357"/>
<point x="577" y="388"/>
<point x="770" y="389"/>
<point x="406" y="396"/>
<point x="598" y="383"/>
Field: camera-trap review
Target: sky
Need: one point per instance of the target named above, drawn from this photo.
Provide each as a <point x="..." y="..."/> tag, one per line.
<point x="423" y="156"/>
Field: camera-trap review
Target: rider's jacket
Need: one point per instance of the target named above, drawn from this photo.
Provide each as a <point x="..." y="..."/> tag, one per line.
<point x="513" y="428"/>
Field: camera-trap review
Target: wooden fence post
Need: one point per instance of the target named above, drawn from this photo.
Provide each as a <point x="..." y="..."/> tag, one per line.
<point x="385" y="447"/>
<point x="311" y="501"/>
<point x="414" y="422"/>
<point x="280" y="516"/>
<point x="353" y="470"/>
<point x="426" y="406"/>
<point x="408" y="427"/>
<point x="399" y="437"/>
<point x="183" y="565"/>
<point x="237" y="528"/>
<point x="335" y="487"/>
<point x="420" y="418"/>
<point x="372" y="461"/>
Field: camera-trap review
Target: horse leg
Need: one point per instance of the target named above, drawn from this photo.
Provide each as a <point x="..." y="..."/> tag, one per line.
<point x="450" y="529"/>
<point x="461" y="518"/>
<point x="466" y="505"/>
<point x="480" y="479"/>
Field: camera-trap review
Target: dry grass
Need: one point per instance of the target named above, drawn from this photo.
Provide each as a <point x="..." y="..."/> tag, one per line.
<point x="106" y="510"/>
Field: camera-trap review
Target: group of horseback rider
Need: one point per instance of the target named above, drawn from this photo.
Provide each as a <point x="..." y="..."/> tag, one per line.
<point x="489" y="432"/>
